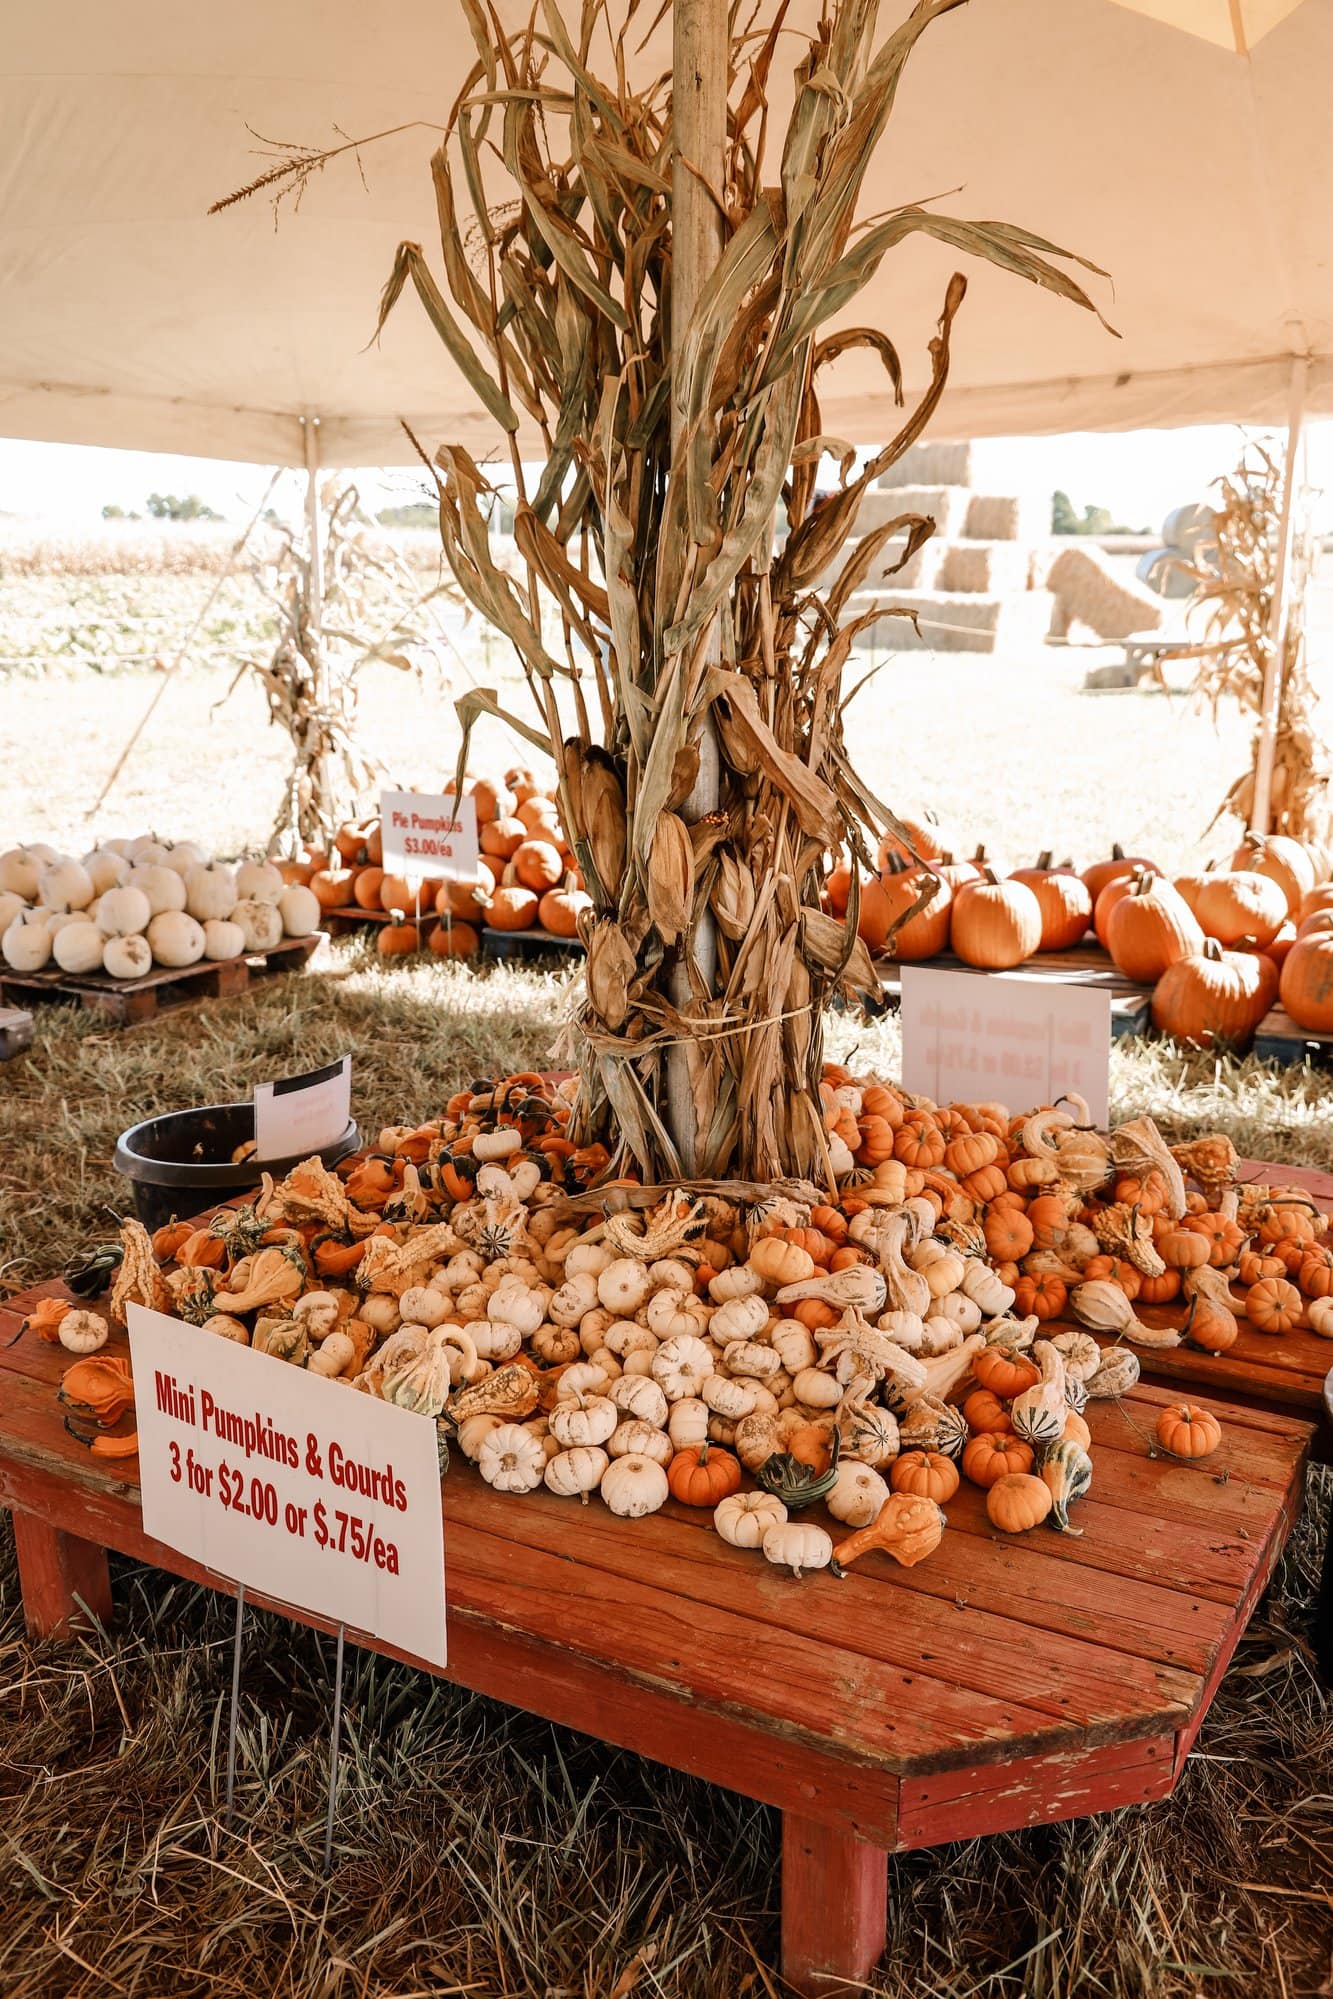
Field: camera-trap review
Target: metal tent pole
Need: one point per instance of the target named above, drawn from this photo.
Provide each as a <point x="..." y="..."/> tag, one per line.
<point x="1271" y="700"/>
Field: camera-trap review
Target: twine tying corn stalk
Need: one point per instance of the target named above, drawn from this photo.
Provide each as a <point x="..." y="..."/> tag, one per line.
<point x="1234" y="595"/>
<point x="562" y="276"/>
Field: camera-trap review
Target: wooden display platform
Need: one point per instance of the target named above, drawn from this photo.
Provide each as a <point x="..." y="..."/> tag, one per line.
<point x="127" y="1002"/>
<point x="1278" y="1039"/>
<point x="1005" y="1682"/>
<point x="494" y="943"/>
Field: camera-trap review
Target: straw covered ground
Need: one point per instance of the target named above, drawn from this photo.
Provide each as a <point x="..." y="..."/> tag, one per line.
<point x="484" y="1853"/>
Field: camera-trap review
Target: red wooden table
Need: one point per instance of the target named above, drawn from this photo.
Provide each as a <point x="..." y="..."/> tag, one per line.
<point x="1004" y="1682"/>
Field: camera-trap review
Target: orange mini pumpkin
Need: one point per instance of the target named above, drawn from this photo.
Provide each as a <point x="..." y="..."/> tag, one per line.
<point x="1005" y="1374"/>
<point x="1225" y="1238"/>
<point x="1273" y="1305"/>
<point x="1115" y="1270"/>
<point x="1008" y="1234"/>
<point x="702" y="1475"/>
<point x="993" y="1455"/>
<point x="925" y="1475"/>
<point x="1044" y="1295"/>
<point x="985" y="1413"/>
<point x="512" y="908"/>
<point x="1188" y="1431"/>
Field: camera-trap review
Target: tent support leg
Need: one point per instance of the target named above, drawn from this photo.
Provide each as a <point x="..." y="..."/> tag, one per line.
<point x="1261" y="810"/>
<point x="315" y="545"/>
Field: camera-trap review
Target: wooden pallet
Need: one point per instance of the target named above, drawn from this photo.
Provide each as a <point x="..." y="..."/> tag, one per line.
<point x="129" y="1002"/>
<point x="1085" y="965"/>
<point x="1007" y="1681"/>
<point x="1278" y="1039"/>
<point x="526" y="944"/>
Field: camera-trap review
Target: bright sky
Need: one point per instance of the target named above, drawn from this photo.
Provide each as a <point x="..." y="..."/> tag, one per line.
<point x="1139" y="475"/>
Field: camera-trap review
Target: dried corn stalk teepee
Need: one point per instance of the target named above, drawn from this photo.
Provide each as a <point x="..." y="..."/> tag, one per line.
<point x="1233" y="607"/>
<point x="681" y="612"/>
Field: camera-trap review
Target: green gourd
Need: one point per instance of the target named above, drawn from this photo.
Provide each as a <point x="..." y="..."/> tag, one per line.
<point x="1066" y="1472"/>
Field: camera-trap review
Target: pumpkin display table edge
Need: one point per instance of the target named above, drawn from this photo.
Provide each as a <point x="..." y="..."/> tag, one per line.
<point x="1005" y="1682"/>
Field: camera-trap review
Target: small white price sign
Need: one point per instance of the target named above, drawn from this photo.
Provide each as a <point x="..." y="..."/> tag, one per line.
<point x="303" y="1114"/>
<point x="426" y="836"/>
<point x="1009" y="1037"/>
<point x="311" y="1495"/>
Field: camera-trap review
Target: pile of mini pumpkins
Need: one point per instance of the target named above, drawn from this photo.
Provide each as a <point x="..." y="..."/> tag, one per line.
<point x="527" y="878"/>
<point x="130" y="904"/>
<point x="1218" y="947"/>
<point x="944" y="1314"/>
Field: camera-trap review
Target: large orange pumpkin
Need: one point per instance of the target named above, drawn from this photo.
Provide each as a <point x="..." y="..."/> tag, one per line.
<point x="466" y="899"/>
<point x="454" y="939"/>
<point x="332" y="887"/>
<point x="1150" y="928"/>
<point x="559" y="910"/>
<point x="1214" y="996"/>
<point x="1284" y="860"/>
<point x="1307" y="982"/>
<point x="1064" y="902"/>
<point x="538" y="865"/>
<point x="512" y="909"/>
<point x="996" y="924"/>
<point x="1241" y="908"/>
<point x="366" y="887"/>
<point x="503" y="838"/>
<point x="886" y="902"/>
<point x="1119" y="864"/>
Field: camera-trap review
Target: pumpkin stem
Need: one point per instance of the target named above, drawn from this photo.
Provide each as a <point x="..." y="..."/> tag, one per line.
<point x="1044" y="858"/>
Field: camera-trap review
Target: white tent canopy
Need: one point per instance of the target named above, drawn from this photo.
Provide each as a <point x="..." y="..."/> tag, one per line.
<point x="1198" y="178"/>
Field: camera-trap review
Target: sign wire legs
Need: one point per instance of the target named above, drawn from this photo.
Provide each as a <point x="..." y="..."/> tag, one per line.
<point x="333" y="1751"/>
<point x="235" y="1703"/>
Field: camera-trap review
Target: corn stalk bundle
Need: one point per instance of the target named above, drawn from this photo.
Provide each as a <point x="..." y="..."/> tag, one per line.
<point x="679" y="607"/>
<point x="1233" y="595"/>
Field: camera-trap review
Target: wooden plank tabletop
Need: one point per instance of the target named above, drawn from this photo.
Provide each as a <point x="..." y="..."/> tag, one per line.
<point x="1004" y="1681"/>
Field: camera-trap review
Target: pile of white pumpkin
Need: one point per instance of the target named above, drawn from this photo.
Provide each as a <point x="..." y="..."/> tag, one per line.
<point x="131" y="904"/>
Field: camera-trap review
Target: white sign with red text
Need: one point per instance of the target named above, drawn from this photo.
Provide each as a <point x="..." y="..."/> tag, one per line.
<point x="305" y="1491"/>
<point x="1005" y="1038"/>
<point x="429" y="837"/>
<point x="303" y="1114"/>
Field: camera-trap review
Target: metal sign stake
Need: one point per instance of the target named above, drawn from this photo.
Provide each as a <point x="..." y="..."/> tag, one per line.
<point x="235" y="1703"/>
<point x="333" y="1751"/>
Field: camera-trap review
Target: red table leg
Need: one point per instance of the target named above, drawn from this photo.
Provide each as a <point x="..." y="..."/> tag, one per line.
<point x="834" y="1907"/>
<point x="55" y="1569"/>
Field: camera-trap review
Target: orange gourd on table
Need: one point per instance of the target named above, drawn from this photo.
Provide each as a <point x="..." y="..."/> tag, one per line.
<point x="1225" y="1238"/>
<point x="993" y="1455"/>
<point x="1273" y="1305"/>
<point x="559" y="910"/>
<point x="1215" y="998"/>
<point x="1119" y="866"/>
<point x="918" y="1142"/>
<point x="1008" y="1234"/>
<point x="925" y="1475"/>
<point x="1158" y="1290"/>
<point x="920" y="933"/>
<point x="1018" y="1502"/>
<point x="1150" y="928"/>
<point x="701" y="1475"/>
<point x="512" y="908"/>
<point x="1114" y="1270"/>
<point x="1005" y="1374"/>
<point x="1284" y="860"/>
<point x="984" y="1412"/>
<point x="1254" y="1264"/>
<point x="1044" y="1295"/>
<point x="1188" y="1431"/>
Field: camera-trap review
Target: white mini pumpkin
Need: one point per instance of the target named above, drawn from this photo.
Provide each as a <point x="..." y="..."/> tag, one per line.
<point x="210" y="892"/>
<point x="299" y="909"/>
<point x="77" y="948"/>
<point x="223" y="940"/>
<point x="636" y="1395"/>
<point x="175" y="939"/>
<point x="743" y="1518"/>
<point x="259" y="881"/>
<point x="162" y="885"/>
<point x="795" y="1545"/>
<point x="681" y="1366"/>
<point x="123" y="911"/>
<point x="147" y="852"/>
<point x="512" y="1459"/>
<point x="856" y="1495"/>
<point x="623" y="1285"/>
<point x="687" y="1423"/>
<point x="635" y="1438"/>
<point x="260" y="925"/>
<point x="577" y="1472"/>
<point x="105" y="869"/>
<point x="184" y="856"/>
<point x="589" y="1420"/>
<point x="739" y="1319"/>
<point x="11" y="905"/>
<point x="127" y="957"/>
<point x="26" y="944"/>
<point x="66" y="886"/>
<point x="21" y="872"/>
<point x="633" y="1486"/>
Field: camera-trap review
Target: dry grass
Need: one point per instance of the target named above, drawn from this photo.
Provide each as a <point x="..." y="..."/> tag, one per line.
<point x="481" y="1851"/>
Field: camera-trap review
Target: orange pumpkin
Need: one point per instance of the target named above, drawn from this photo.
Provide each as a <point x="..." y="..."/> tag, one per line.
<point x="366" y="888"/>
<point x="1119" y="866"/>
<point x="538" y="865"/>
<point x="1225" y="1238"/>
<point x="1253" y="1265"/>
<point x="995" y="924"/>
<point x="995" y="1454"/>
<point x="984" y="1411"/>
<point x="396" y="940"/>
<point x="1044" y="1295"/>
<point x="1273" y="1305"/>
<point x="503" y="837"/>
<point x="1005" y="1374"/>
<point x="560" y="909"/>
<point x="512" y="909"/>
<point x="1150" y="928"/>
<point x="918" y="1142"/>
<point x="701" y="1475"/>
<point x="1215" y="998"/>
<point x="1181" y="1249"/>
<point x="880" y="1101"/>
<point x="925" y="1475"/>
<point x="874" y="1141"/>
<point x="466" y="899"/>
<point x="1241" y="908"/>
<point x="1114" y="1270"/>
<point x="1284" y="860"/>
<point x="1008" y="1234"/>
<point x="1306" y="984"/>
<point x="1147" y="1193"/>
<point x="332" y="887"/>
<point x="1049" y="1216"/>
<point x="1188" y="1431"/>
<point x="920" y="933"/>
<point x="1314" y="1273"/>
<point x="1063" y="900"/>
<point x="454" y="939"/>
<point x="1158" y="1290"/>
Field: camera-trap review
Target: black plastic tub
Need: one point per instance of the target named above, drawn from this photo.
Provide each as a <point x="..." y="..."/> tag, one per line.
<point x="181" y="1163"/>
